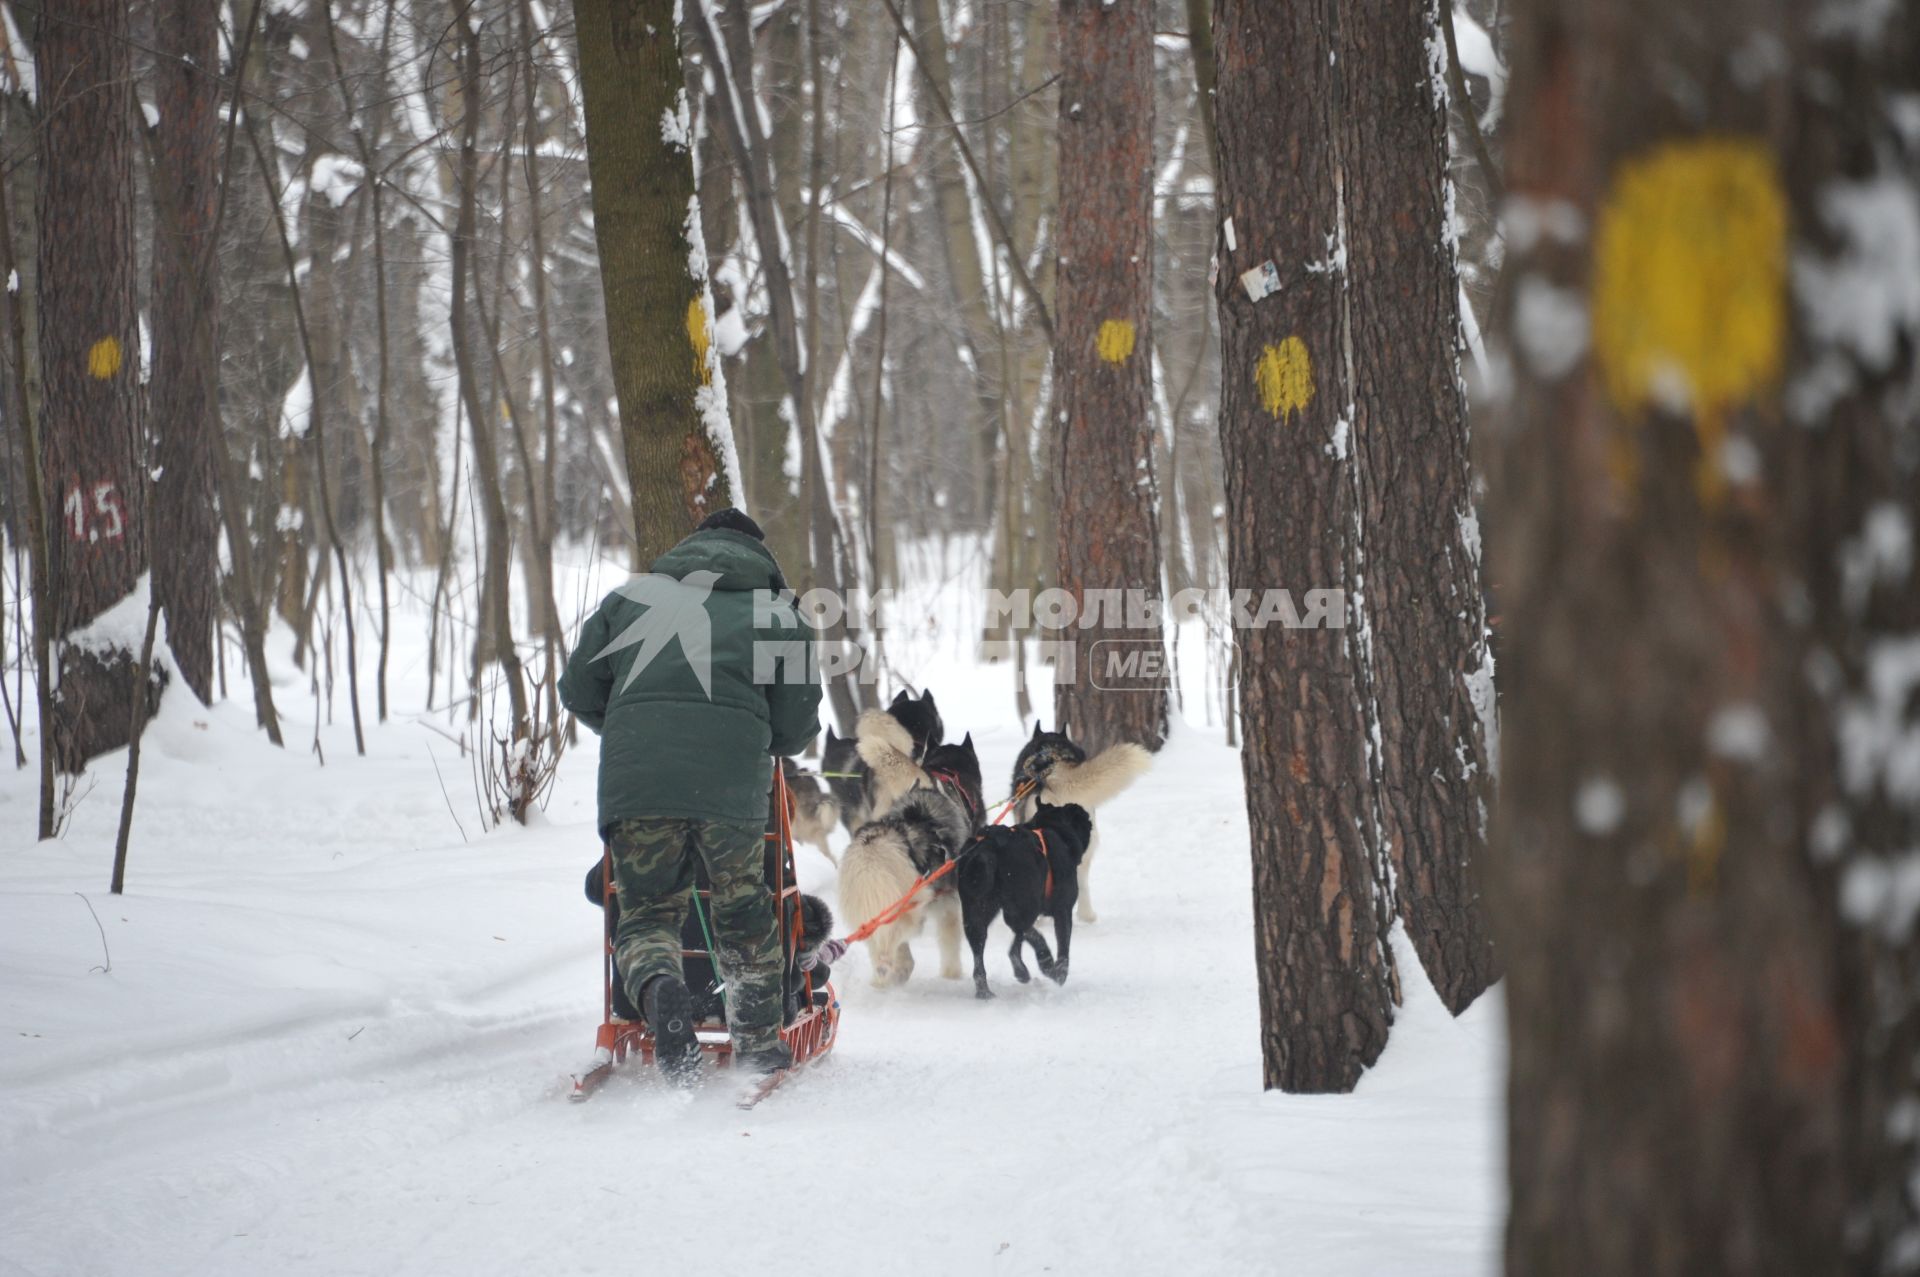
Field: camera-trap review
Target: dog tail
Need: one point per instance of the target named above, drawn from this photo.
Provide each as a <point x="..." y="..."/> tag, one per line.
<point x="1099" y="780"/>
<point x="886" y="746"/>
<point x="875" y="871"/>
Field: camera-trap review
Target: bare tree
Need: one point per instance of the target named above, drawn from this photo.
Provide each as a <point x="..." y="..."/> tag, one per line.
<point x="1432" y="675"/>
<point x="1103" y="474"/>
<point x="1705" y="843"/>
<point x="186" y="299"/>
<point x="496" y="633"/>
<point x="89" y="354"/>
<point x="672" y="407"/>
<point x="1322" y="906"/>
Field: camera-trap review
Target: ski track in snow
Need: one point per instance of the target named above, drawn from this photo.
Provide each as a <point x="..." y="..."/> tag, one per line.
<point x="335" y="1038"/>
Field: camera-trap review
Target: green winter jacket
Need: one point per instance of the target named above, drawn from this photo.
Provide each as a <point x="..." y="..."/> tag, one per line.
<point x="671" y="746"/>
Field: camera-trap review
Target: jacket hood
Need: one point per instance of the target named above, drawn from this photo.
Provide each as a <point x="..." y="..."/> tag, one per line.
<point x="741" y="562"/>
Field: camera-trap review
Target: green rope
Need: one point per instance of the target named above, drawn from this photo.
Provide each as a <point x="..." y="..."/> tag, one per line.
<point x="701" y="914"/>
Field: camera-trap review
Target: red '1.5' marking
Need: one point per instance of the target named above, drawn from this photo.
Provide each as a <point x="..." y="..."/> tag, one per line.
<point x="104" y="520"/>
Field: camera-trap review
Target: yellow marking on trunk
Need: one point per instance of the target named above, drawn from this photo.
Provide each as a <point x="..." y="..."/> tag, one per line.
<point x="1689" y="296"/>
<point x="1284" y="376"/>
<point x="1115" y="342"/>
<point x="103" y="360"/>
<point x="701" y="337"/>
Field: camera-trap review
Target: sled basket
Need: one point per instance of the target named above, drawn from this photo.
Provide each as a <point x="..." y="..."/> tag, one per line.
<point x="809" y="1033"/>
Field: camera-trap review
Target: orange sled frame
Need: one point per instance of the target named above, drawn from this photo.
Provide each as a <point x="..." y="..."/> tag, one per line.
<point x="811" y="1033"/>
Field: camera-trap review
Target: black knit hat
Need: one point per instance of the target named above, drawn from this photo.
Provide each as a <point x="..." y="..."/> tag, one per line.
<point x="733" y="521"/>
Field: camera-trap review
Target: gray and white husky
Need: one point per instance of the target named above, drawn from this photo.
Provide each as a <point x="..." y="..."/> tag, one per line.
<point x="925" y="811"/>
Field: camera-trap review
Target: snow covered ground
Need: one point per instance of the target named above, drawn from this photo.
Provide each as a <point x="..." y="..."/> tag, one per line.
<point x="334" y="1034"/>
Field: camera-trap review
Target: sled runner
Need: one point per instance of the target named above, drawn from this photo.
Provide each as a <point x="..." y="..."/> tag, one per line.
<point x="810" y="1028"/>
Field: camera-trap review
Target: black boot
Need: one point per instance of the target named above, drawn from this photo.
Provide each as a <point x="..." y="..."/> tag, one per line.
<point x="669" y="1011"/>
<point x="770" y="1060"/>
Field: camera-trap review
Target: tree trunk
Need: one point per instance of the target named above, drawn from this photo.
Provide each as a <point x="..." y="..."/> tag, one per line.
<point x="90" y="356"/>
<point x="25" y="402"/>
<point x="372" y="187"/>
<point x="828" y="567"/>
<point x="1103" y="478"/>
<point x="672" y="406"/>
<point x="1433" y="677"/>
<point x="1321" y="903"/>
<point x="321" y="386"/>
<point x="186" y="302"/>
<point x="495" y="634"/>
<point x="1703" y="500"/>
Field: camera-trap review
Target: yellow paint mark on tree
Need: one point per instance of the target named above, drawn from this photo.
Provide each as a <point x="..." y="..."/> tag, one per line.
<point x="1284" y="376"/>
<point x="701" y="337"/>
<point x="1689" y="297"/>
<point x="103" y="360"/>
<point x="1115" y="342"/>
<point x="1704" y="848"/>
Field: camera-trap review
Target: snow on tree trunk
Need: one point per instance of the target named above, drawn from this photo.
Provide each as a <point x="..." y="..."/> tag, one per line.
<point x="666" y="372"/>
<point x="90" y="357"/>
<point x="1103" y="478"/>
<point x="1322" y="899"/>
<point x="1702" y="519"/>
<point x="1432" y="674"/>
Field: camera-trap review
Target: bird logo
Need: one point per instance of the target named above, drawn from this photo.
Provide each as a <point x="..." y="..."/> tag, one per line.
<point x="674" y="609"/>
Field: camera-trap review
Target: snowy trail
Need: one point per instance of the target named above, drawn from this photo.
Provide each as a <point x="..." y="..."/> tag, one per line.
<point x="334" y="1037"/>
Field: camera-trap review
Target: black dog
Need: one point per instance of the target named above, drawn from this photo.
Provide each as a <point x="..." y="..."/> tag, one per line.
<point x="847" y="774"/>
<point x="1022" y="874"/>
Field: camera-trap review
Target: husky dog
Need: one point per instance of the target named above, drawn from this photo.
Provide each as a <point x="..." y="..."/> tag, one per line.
<point x="1054" y="769"/>
<point x="846" y="778"/>
<point x="848" y="775"/>
<point x="931" y="810"/>
<point x="896" y="757"/>
<point x="1024" y="874"/>
<point x="814" y="810"/>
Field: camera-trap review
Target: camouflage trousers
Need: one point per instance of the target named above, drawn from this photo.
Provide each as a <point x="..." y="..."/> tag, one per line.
<point x="654" y="871"/>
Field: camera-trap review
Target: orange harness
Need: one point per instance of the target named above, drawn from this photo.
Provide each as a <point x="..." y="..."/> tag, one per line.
<point x="898" y="909"/>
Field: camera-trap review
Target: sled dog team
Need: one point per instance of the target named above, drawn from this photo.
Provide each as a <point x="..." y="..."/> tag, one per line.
<point x="914" y="801"/>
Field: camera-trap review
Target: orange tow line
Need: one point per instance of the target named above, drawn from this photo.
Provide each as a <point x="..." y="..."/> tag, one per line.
<point x="898" y="909"/>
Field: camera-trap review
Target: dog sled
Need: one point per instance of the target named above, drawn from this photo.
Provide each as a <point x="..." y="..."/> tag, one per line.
<point x="811" y="1021"/>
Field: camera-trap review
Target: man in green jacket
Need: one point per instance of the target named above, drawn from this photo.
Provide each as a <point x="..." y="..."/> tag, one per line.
<point x="695" y="674"/>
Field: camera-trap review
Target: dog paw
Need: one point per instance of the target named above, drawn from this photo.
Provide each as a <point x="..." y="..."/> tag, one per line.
<point x="1022" y="974"/>
<point x="1058" y="973"/>
<point x="983" y="993"/>
<point x="949" y="973"/>
<point x="1084" y="914"/>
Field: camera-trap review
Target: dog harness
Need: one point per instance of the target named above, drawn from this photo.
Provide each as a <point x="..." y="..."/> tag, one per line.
<point x="953" y="782"/>
<point x="1046" y="860"/>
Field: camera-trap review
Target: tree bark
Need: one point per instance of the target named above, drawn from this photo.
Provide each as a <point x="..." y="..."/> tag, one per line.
<point x="1432" y="674"/>
<point x="672" y="406"/>
<point x="184" y="388"/>
<point x="90" y="356"/>
<point x="1321" y="903"/>
<point x="26" y="403"/>
<point x="1103" y="474"/>
<point x="1703" y="497"/>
